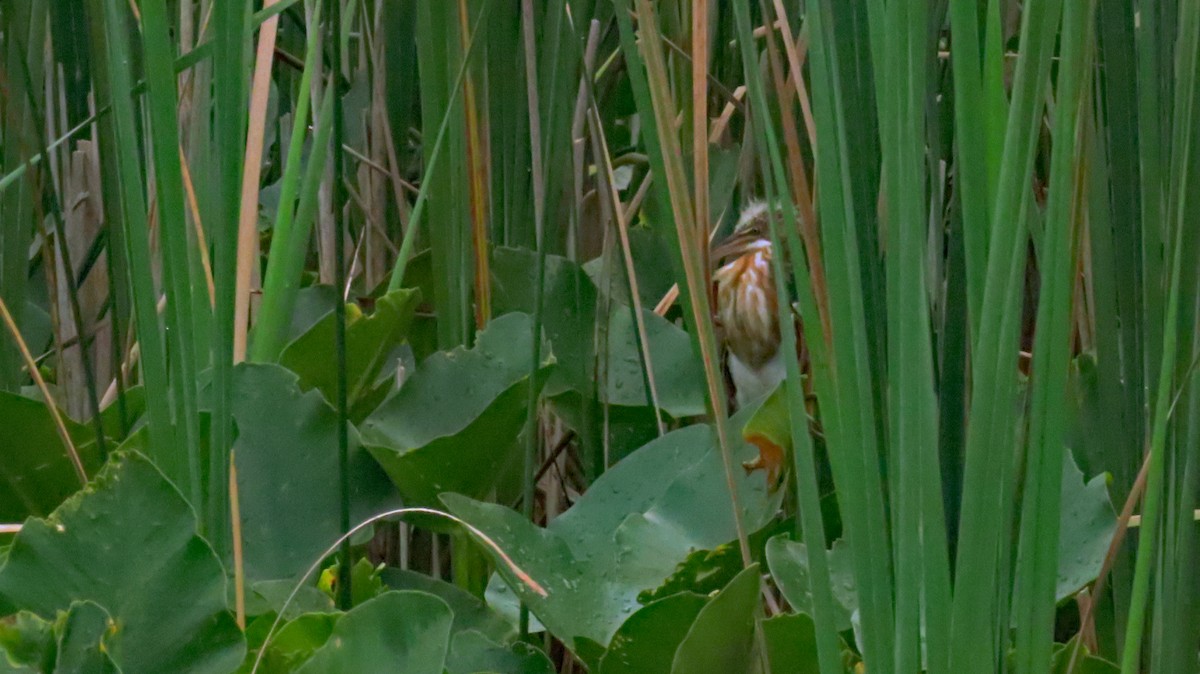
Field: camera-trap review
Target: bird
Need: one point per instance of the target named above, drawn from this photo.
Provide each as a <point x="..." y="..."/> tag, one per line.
<point x="748" y="306"/>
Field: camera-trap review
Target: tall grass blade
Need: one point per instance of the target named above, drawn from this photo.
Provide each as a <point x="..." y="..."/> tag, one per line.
<point x="432" y="157"/>
<point x="230" y="21"/>
<point x="1037" y="570"/>
<point x="161" y="102"/>
<point x="901" y="40"/>
<point x="992" y="428"/>
<point x="291" y="233"/>
<point x="851" y="422"/>
<point x="1181" y="187"/>
<point x="149" y="330"/>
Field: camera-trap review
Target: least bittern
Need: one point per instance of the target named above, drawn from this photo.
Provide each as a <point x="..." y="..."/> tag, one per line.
<point x="748" y="306"/>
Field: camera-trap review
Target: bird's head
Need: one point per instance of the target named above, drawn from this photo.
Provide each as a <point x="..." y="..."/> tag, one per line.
<point x="751" y="233"/>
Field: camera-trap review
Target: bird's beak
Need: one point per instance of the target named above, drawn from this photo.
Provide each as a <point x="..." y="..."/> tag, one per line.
<point x="734" y="245"/>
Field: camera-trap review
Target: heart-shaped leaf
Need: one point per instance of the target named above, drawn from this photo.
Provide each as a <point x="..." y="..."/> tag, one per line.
<point x="647" y="641"/>
<point x="571" y="324"/>
<point x="625" y="535"/>
<point x="395" y="632"/>
<point x="722" y="638"/>
<point x="1086" y="526"/>
<point x="128" y="543"/>
<point x="788" y="561"/>
<point x="453" y="426"/>
<point x="286" y="455"/>
<point x="472" y="652"/>
<point x="369" y="340"/>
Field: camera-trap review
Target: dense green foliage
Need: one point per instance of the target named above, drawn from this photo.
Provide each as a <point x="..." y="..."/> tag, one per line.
<point x="377" y="336"/>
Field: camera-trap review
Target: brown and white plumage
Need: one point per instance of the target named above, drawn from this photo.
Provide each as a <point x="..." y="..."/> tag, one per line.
<point x="747" y="307"/>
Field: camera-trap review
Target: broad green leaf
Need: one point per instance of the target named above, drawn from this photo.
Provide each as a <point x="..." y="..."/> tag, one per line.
<point x="27" y="641"/>
<point x="72" y="644"/>
<point x="703" y="572"/>
<point x="36" y="475"/>
<point x="568" y="310"/>
<point x="469" y="612"/>
<point x="473" y="652"/>
<point x="365" y="582"/>
<point x="625" y="535"/>
<point x="135" y="407"/>
<point x="788" y="562"/>
<point x="1086" y="526"/>
<point x="791" y="644"/>
<point x="707" y="571"/>
<point x="628" y="427"/>
<point x="81" y="648"/>
<point x="570" y="323"/>
<point x="313" y="303"/>
<point x="1086" y="530"/>
<point x="127" y="542"/>
<point x="286" y="455"/>
<point x="293" y="644"/>
<point x="772" y="420"/>
<point x="650" y="252"/>
<point x="369" y="340"/>
<point x="1085" y="664"/>
<point x="395" y="632"/>
<point x="677" y="379"/>
<point x="453" y="426"/>
<point x="267" y="597"/>
<point x="721" y="640"/>
<point x="647" y="641"/>
<point x="37" y="328"/>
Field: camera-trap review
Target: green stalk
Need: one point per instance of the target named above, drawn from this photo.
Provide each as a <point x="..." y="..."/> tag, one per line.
<point x="975" y="630"/>
<point x="293" y="224"/>
<point x="1183" y="146"/>
<point x="970" y="169"/>
<point x="230" y="74"/>
<point x="1148" y="33"/>
<point x="439" y="49"/>
<point x="162" y="101"/>
<point x="1178" y="620"/>
<point x="1118" y="328"/>
<point x="854" y="451"/>
<point x="995" y="103"/>
<point x="163" y="448"/>
<point x="1037" y="568"/>
<point x="335" y="92"/>
<point x="922" y="567"/>
<point x="406" y="245"/>
<point x="532" y="435"/>
<point x="118" y="266"/>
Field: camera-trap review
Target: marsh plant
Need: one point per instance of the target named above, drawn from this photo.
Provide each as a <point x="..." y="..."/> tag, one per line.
<point x="620" y="336"/>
